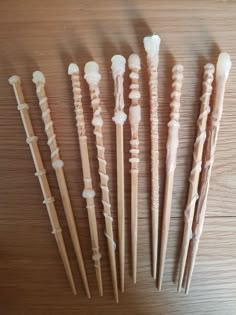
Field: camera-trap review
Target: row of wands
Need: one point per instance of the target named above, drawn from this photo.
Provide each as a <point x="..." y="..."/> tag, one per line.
<point x="192" y="230"/>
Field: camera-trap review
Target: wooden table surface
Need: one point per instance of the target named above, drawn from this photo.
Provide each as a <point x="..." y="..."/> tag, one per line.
<point x="47" y="36"/>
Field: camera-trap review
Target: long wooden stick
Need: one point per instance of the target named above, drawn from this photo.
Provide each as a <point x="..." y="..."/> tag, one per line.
<point x="151" y="45"/>
<point x="93" y="77"/>
<point x="222" y="73"/>
<point x="208" y="76"/>
<point x="57" y="164"/>
<point x="172" y="146"/>
<point x="88" y="192"/>
<point x="42" y="177"/>
<point x="134" y="118"/>
<point x="119" y="118"/>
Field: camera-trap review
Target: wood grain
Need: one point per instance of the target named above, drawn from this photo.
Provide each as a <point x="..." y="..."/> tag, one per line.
<point x="47" y="36"/>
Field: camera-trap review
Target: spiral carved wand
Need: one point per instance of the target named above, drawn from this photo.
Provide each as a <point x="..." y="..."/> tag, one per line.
<point x="42" y="177"/>
<point x="151" y="46"/>
<point x="93" y="77"/>
<point x="222" y="72"/>
<point x="208" y="76"/>
<point x="172" y="146"/>
<point x="119" y="118"/>
<point x="57" y="164"/>
<point x="134" y="118"/>
<point x="88" y="192"/>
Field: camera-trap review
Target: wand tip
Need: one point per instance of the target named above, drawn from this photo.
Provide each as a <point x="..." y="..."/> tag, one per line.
<point x="152" y="44"/>
<point x="134" y="62"/>
<point x="118" y="65"/>
<point x="38" y="77"/>
<point x="73" y="68"/>
<point x="92" y="75"/>
<point x="223" y="65"/>
<point x="14" y="79"/>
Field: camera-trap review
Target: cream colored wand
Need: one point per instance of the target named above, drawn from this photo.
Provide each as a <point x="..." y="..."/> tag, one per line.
<point x="172" y="146"/>
<point x="134" y="118"/>
<point x="222" y="72"/>
<point x="93" y="77"/>
<point x="88" y="192"/>
<point x="41" y="174"/>
<point x="196" y="168"/>
<point x="151" y="46"/>
<point x="119" y="118"/>
<point x="57" y="164"/>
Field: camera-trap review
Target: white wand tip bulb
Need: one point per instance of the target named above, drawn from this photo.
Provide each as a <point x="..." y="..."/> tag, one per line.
<point x="73" y="68"/>
<point x="134" y="62"/>
<point x="38" y="77"/>
<point x="152" y="44"/>
<point x="14" y="79"/>
<point x="92" y="75"/>
<point x="223" y="65"/>
<point x="118" y="65"/>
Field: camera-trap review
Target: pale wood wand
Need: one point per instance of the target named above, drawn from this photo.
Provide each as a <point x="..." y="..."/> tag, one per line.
<point x="134" y="118"/>
<point x="57" y="164"/>
<point x="172" y="146"/>
<point x="88" y="192"/>
<point x="42" y="177"/>
<point x="151" y="46"/>
<point x="208" y="76"/>
<point x="222" y="72"/>
<point x="119" y="118"/>
<point x="93" y="77"/>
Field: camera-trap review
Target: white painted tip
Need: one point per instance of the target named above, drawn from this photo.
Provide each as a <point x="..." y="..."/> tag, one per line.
<point x="73" y="68"/>
<point x="38" y="77"/>
<point x="118" y="65"/>
<point x="152" y="44"/>
<point x="14" y="79"/>
<point x="91" y="67"/>
<point x="134" y="62"/>
<point x="118" y="58"/>
<point x="92" y="75"/>
<point x="223" y="65"/>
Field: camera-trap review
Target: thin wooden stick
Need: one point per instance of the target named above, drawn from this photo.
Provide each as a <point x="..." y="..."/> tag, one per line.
<point x="208" y="76"/>
<point x="119" y="118"/>
<point x="93" y="77"/>
<point x="57" y="164"/>
<point x="222" y="73"/>
<point x="134" y="118"/>
<point x="151" y="45"/>
<point x="88" y="192"/>
<point x="172" y="146"/>
<point x="42" y="177"/>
